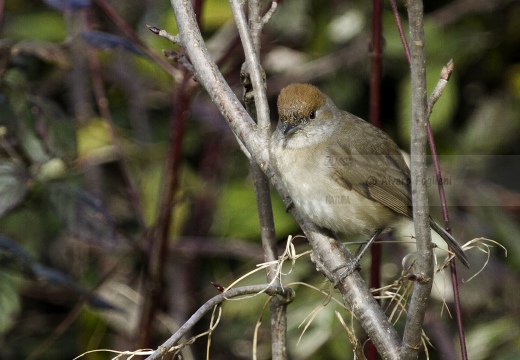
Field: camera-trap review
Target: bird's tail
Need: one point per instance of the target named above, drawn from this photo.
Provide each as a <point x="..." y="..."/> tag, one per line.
<point x="452" y="243"/>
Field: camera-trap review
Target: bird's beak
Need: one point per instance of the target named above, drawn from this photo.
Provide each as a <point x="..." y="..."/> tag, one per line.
<point x="290" y="129"/>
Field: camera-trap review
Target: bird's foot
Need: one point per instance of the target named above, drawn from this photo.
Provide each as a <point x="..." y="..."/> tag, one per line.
<point x="347" y="270"/>
<point x="354" y="264"/>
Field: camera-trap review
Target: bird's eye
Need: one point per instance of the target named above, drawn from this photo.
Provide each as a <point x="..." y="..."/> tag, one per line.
<point x="312" y="115"/>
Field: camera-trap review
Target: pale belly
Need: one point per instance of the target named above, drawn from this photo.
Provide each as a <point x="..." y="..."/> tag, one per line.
<point x="328" y="204"/>
<point x="342" y="210"/>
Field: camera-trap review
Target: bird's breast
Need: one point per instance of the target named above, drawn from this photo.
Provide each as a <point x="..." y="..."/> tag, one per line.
<point x="306" y="175"/>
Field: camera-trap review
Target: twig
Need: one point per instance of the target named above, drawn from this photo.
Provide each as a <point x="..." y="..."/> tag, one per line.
<point x="251" y="51"/>
<point x="436" y="94"/>
<point x="165" y="34"/>
<point x="354" y="341"/>
<point x="271" y="290"/>
<point x="441" y="84"/>
<point x="424" y="266"/>
<point x="267" y="16"/>
<point x="401" y="31"/>
<point x="210" y="77"/>
<point x="130" y="34"/>
<point x="439" y="88"/>
<point x="253" y="80"/>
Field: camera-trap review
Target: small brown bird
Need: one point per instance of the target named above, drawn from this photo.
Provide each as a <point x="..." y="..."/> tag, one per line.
<point x="343" y="173"/>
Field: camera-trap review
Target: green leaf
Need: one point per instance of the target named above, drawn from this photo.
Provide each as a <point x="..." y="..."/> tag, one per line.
<point x="13" y="185"/>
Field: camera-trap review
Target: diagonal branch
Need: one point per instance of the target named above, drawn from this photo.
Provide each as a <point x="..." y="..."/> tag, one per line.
<point x="269" y="289"/>
<point x="329" y="254"/>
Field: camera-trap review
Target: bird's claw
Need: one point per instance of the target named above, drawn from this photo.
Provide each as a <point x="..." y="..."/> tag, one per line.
<point x="347" y="270"/>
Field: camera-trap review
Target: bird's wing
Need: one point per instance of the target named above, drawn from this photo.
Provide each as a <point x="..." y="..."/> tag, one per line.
<point x="376" y="171"/>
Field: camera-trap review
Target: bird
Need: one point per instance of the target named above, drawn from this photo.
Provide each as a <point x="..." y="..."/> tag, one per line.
<point x="342" y="172"/>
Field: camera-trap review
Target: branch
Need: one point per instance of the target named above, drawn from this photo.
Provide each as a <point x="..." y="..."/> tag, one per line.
<point x="208" y="75"/>
<point x="329" y="254"/>
<point x="271" y="290"/>
<point x="436" y="94"/>
<point x="424" y="266"/>
<point x="253" y="80"/>
<point x="439" y="88"/>
<point x="441" y="84"/>
<point x="253" y="68"/>
<point x="158" y="242"/>
<point x="331" y="257"/>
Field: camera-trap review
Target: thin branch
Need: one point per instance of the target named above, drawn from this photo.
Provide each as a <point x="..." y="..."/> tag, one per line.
<point x="253" y="79"/>
<point x="424" y="266"/>
<point x="255" y="24"/>
<point x="267" y="16"/>
<point x="131" y="35"/>
<point x="271" y="290"/>
<point x="251" y="51"/>
<point x="210" y="77"/>
<point x="439" y="88"/>
<point x="401" y="31"/>
<point x="436" y="94"/>
<point x="165" y="34"/>
<point x="443" y="81"/>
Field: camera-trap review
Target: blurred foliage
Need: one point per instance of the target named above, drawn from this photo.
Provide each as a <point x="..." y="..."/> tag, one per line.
<point x="74" y="242"/>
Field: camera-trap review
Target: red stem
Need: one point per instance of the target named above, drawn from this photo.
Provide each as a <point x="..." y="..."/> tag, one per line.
<point x="159" y="242"/>
<point x="401" y="32"/>
<point x="453" y="266"/>
<point x="2" y="5"/>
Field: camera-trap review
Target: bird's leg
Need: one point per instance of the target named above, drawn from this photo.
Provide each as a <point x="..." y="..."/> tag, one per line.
<point x="352" y="266"/>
